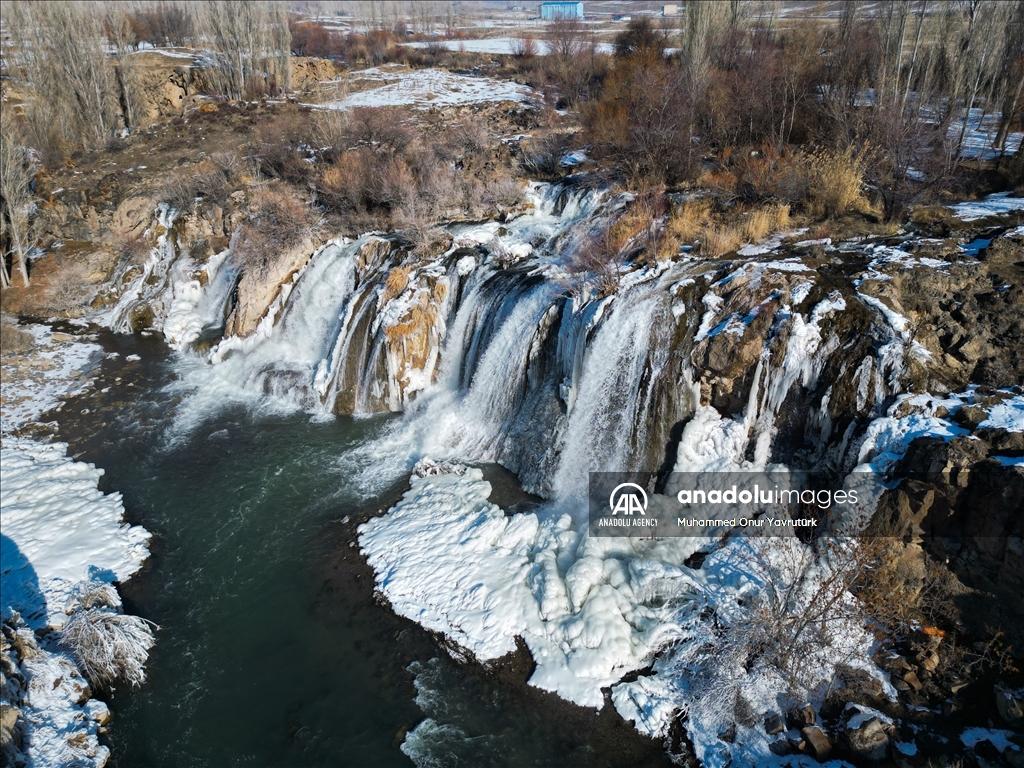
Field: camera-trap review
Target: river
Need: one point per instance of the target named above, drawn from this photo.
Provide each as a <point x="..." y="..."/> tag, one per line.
<point x="272" y="649"/>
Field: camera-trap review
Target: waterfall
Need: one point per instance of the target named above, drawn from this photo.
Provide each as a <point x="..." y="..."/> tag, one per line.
<point x="280" y="361"/>
<point x="146" y="290"/>
<point x="494" y="355"/>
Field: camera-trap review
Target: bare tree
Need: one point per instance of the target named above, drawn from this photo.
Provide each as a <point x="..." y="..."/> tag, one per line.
<point x="57" y="47"/>
<point x="703" y="21"/>
<point x="251" y="44"/>
<point x="122" y="37"/>
<point x="15" y="198"/>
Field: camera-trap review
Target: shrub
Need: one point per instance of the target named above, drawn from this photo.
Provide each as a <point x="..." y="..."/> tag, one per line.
<point x="394" y="185"/>
<point x="642" y="122"/>
<point x="464" y="139"/>
<point x="503" y="193"/>
<point x="543" y="156"/>
<point x="277" y="160"/>
<point x="108" y="647"/>
<point x="278" y="221"/>
<point x="835" y="182"/>
<point x="343" y="184"/>
<point x="524" y="48"/>
<point x="66" y="292"/>
<point x="382" y="128"/>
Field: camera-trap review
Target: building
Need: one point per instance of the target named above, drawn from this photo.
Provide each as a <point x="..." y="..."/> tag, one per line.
<point x="550" y="11"/>
<point x="669" y="10"/>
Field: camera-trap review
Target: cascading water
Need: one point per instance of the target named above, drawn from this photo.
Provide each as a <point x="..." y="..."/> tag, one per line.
<point x="517" y="364"/>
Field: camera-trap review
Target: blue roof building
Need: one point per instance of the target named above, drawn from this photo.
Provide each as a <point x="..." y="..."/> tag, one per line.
<point x="561" y="10"/>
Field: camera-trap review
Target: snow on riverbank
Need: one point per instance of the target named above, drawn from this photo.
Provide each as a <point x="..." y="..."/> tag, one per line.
<point x="453" y="562"/>
<point x="58" y="529"/>
<point x="993" y="205"/>
<point x="39" y="382"/>
<point x="591" y="609"/>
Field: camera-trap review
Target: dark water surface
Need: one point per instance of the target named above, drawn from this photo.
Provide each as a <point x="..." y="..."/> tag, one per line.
<point x="272" y="650"/>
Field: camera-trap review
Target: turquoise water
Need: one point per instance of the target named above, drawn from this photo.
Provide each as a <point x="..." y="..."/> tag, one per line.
<point x="272" y="649"/>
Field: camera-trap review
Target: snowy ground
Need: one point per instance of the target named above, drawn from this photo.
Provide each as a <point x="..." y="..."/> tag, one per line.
<point x="980" y="136"/>
<point x="993" y="205"/>
<point x="425" y="88"/>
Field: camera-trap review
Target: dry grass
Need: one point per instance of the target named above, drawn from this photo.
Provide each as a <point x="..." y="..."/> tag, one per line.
<point x="688" y="220"/>
<point x="683" y="225"/>
<point x="626" y="229"/>
<point x="720" y="239"/>
<point x="396" y="282"/>
<point x="761" y="222"/>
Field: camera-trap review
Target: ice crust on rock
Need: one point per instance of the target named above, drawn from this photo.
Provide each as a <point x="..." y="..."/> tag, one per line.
<point x="452" y="561"/>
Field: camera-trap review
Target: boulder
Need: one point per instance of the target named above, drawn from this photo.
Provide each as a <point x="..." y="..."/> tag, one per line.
<point x="912" y="680"/>
<point x="1009" y="704"/>
<point x="773" y="723"/>
<point x="259" y="287"/>
<point x="868" y="733"/>
<point x="818" y="743"/>
<point x="798" y="717"/>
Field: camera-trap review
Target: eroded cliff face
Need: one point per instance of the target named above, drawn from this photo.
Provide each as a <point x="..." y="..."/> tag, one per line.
<point x="257" y="289"/>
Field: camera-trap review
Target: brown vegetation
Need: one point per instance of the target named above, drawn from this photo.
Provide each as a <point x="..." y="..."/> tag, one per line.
<point x="278" y="220"/>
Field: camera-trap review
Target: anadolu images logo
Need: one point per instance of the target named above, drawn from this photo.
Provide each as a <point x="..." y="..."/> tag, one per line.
<point x="631" y="498"/>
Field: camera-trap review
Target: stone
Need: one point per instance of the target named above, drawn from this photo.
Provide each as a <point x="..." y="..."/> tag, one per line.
<point x="912" y="680"/>
<point x="781" y="748"/>
<point x="1008" y="705"/>
<point x="868" y="734"/>
<point x="728" y="735"/>
<point x="798" y="717"/>
<point x="986" y="750"/>
<point x="900" y="664"/>
<point x="818" y="743"/>
<point x="773" y="724"/>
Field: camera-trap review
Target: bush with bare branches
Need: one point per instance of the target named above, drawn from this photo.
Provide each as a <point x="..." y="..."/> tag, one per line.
<point x="108" y="646"/>
<point x="524" y="48"/>
<point x="278" y="220"/>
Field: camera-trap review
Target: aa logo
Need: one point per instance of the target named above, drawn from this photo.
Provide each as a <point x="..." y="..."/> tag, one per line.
<point x="628" y="498"/>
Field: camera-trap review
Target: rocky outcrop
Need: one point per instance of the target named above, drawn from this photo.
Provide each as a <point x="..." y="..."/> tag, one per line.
<point x="969" y="315"/>
<point x="964" y="508"/>
<point x="309" y="72"/>
<point x="166" y="85"/>
<point x="257" y="289"/>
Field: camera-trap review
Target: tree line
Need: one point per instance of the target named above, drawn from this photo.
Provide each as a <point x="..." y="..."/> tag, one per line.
<point x="905" y="88"/>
